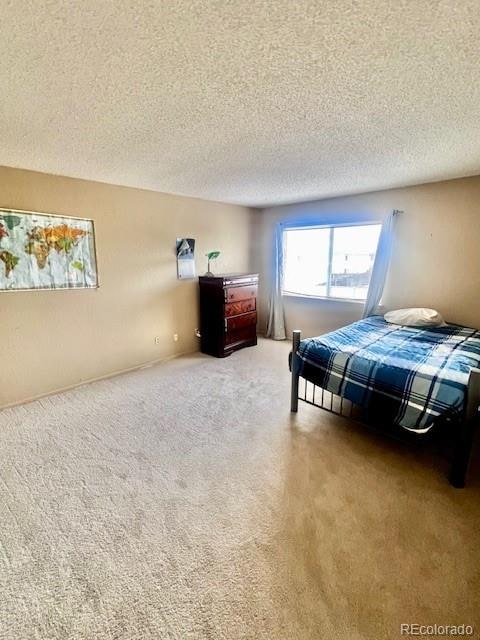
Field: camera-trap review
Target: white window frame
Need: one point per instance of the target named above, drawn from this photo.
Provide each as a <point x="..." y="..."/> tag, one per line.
<point x="292" y="294"/>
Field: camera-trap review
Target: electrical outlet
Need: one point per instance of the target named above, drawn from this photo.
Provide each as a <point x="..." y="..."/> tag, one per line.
<point x="175" y="337"/>
<point x="157" y="339"/>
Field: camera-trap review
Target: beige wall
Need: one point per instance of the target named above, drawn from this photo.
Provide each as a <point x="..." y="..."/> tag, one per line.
<point x="54" y="339"/>
<point x="436" y="255"/>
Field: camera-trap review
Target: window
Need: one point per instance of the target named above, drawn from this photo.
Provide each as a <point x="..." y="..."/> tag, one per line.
<point x="329" y="262"/>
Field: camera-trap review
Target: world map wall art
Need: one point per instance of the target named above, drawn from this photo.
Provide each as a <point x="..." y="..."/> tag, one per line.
<point x="46" y="251"/>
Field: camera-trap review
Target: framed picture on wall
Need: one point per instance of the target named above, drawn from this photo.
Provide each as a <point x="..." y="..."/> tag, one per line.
<point x="185" y="258"/>
<point x="46" y="251"/>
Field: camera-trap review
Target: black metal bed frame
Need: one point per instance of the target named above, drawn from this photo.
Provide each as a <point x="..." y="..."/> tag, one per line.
<point x="463" y="434"/>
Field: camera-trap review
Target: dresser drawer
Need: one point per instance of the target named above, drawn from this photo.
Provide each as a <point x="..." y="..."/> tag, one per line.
<point x="242" y="306"/>
<point x="238" y="281"/>
<point x="246" y="334"/>
<point x="240" y="322"/>
<point x="234" y="294"/>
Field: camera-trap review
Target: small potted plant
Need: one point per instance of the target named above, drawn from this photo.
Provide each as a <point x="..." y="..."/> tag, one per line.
<point x="211" y="255"/>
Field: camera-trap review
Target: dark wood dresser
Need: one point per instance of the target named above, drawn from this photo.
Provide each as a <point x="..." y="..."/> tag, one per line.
<point x="228" y="312"/>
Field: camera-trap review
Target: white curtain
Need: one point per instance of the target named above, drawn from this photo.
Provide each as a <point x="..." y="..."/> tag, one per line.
<point x="380" y="266"/>
<point x="276" y="319"/>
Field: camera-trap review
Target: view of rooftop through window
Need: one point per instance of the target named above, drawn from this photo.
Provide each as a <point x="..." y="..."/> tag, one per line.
<point x="332" y="262"/>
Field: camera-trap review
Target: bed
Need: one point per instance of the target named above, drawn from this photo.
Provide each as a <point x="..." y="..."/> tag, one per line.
<point x="397" y="378"/>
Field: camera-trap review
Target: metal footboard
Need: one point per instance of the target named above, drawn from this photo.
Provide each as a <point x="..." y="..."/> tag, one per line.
<point x="311" y="393"/>
<point x="319" y="397"/>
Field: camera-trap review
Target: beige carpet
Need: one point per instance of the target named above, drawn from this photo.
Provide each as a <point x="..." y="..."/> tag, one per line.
<point x="182" y="501"/>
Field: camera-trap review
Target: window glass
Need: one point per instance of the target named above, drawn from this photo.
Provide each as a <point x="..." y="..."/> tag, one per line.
<point x="352" y="260"/>
<point x="333" y="262"/>
<point x="306" y="253"/>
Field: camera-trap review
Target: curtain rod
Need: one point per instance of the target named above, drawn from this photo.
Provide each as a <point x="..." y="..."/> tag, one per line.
<point x="397" y="211"/>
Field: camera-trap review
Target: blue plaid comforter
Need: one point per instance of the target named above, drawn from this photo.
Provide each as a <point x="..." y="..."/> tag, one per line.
<point x="400" y="375"/>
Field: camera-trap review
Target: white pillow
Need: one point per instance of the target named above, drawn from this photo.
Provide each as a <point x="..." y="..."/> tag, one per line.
<point x="417" y="317"/>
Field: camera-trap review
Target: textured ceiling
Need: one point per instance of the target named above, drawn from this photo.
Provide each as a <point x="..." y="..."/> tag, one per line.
<point x="252" y="102"/>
